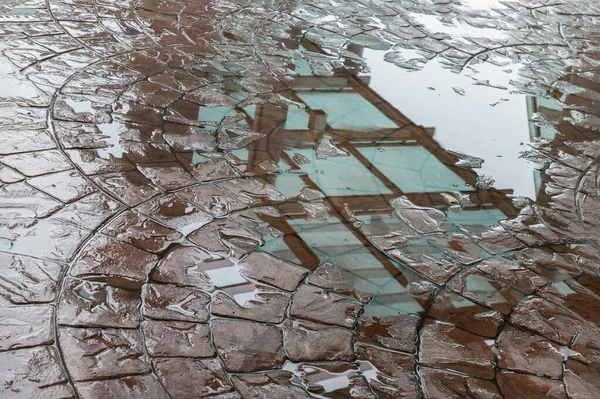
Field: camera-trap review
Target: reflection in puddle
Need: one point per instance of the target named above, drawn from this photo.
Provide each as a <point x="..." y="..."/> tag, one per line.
<point x="383" y="199"/>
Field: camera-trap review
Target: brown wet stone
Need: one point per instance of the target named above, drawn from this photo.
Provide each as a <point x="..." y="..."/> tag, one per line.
<point x="93" y="353"/>
<point x="517" y="386"/>
<point x="245" y="346"/>
<point x="437" y="270"/>
<point x="455" y="309"/>
<point x="37" y="163"/>
<point x="445" y="346"/>
<point x="141" y="232"/>
<point x="66" y="186"/>
<point x="486" y="291"/>
<point x="212" y="199"/>
<point x="271" y="270"/>
<point x="175" y="213"/>
<point x="130" y="187"/>
<point x="226" y="238"/>
<point x="25" y="326"/>
<point x="512" y="274"/>
<point x="306" y="341"/>
<point x="336" y="279"/>
<point x="187" y="266"/>
<point x="177" y="339"/>
<point x="33" y="373"/>
<point x="582" y="381"/>
<point x="253" y="191"/>
<point x="189" y="138"/>
<point x="446" y="384"/>
<point x="274" y="384"/>
<point x="315" y="378"/>
<point x="28" y="280"/>
<point x="169" y="302"/>
<point x="266" y="304"/>
<point x="191" y="378"/>
<point x="528" y="353"/>
<point x="168" y="175"/>
<point x="547" y="319"/>
<point x="92" y="304"/>
<point x="389" y="374"/>
<point x="459" y="247"/>
<point x="145" y="386"/>
<point x="119" y="262"/>
<point x="314" y="304"/>
<point x="89" y="212"/>
<point x="399" y="332"/>
<point x="548" y="264"/>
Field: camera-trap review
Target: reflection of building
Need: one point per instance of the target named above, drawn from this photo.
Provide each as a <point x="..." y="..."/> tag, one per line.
<point x="379" y="155"/>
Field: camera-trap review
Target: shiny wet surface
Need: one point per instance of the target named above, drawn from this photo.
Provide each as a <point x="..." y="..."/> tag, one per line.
<point x="263" y="199"/>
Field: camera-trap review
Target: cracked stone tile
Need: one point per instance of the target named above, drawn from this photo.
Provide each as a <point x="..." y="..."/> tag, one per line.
<point x="246" y="346"/>
<point x="175" y="213"/>
<point x="515" y="386"/>
<point x="315" y="379"/>
<point x="397" y="332"/>
<point x="389" y="374"/>
<point x="336" y="279"/>
<point x="188" y="266"/>
<point x="93" y="353"/>
<point x="92" y="304"/>
<point x="191" y="378"/>
<point x="177" y="339"/>
<point x="546" y="319"/>
<point x="66" y="186"/>
<point x="28" y="280"/>
<point x="141" y="232"/>
<point x="314" y="304"/>
<point x="25" y="326"/>
<point x="445" y="346"/>
<point x="486" y="291"/>
<point x="512" y="274"/>
<point x="446" y="384"/>
<point x="130" y="187"/>
<point x="168" y="175"/>
<point x="306" y="341"/>
<point x="37" y="163"/>
<point x="528" y="353"/>
<point x="265" y="385"/>
<point x="169" y="302"/>
<point x="226" y="238"/>
<point x="212" y="199"/>
<point x="33" y="373"/>
<point x="253" y="191"/>
<point x="271" y="270"/>
<point x="581" y="380"/>
<point x="120" y="263"/>
<point x="251" y="302"/>
<point x="89" y="212"/>
<point x="145" y="386"/>
<point x="461" y="312"/>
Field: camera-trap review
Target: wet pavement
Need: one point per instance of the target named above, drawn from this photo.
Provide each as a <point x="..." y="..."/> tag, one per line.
<point x="292" y="199"/>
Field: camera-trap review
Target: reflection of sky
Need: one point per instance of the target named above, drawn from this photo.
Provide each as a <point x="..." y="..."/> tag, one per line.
<point x="465" y="123"/>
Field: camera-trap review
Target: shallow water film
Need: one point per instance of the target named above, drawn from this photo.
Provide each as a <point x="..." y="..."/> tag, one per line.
<point x="300" y="199"/>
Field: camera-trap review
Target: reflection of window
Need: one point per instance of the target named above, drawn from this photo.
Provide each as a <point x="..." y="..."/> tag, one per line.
<point x="348" y="111"/>
<point x="340" y="176"/>
<point x="476" y="220"/>
<point x="413" y="169"/>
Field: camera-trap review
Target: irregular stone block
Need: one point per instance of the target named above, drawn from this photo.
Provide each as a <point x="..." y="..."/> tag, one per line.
<point x="246" y="346"/>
